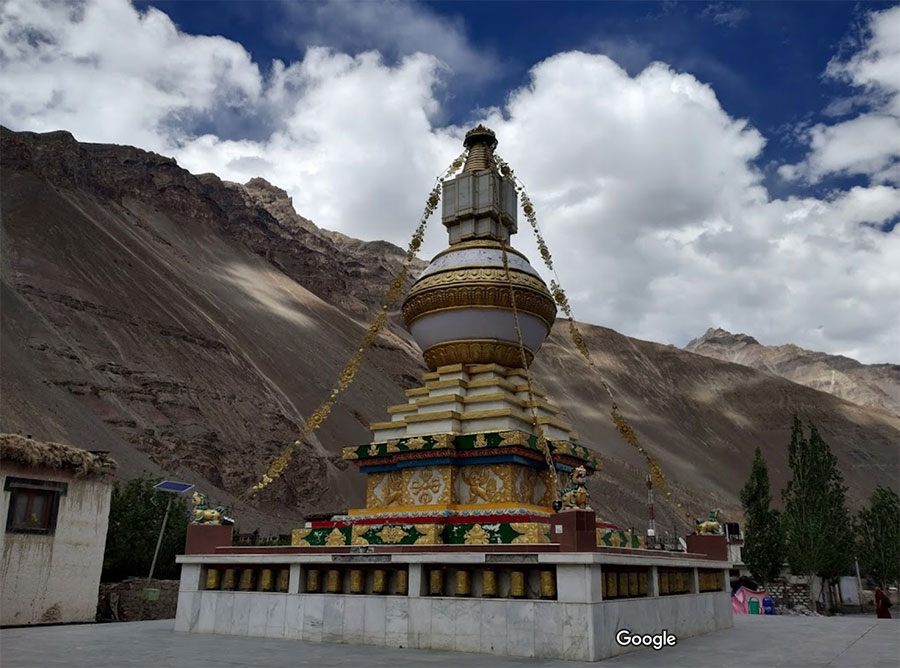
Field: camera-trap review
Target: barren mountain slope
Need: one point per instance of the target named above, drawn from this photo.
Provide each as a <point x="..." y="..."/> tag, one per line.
<point x="188" y="325"/>
<point x="873" y="385"/>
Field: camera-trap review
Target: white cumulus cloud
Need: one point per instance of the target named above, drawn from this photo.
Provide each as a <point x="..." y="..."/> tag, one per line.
<point x="869" y="143"/>
<point x="648" y="190"/>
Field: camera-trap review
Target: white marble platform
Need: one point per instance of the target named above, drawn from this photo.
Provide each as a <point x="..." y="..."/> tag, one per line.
<point x="579" y="625"/>
<point x="541" y="629"/>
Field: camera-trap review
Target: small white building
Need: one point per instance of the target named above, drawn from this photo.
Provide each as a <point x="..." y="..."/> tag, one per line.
<point x="56" y="506"/>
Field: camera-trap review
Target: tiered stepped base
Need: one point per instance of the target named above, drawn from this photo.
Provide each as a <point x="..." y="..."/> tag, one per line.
<point x="459" y="463"/>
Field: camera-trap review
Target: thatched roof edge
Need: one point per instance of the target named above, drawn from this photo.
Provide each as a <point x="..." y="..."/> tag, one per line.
<point x="55" y="456"/>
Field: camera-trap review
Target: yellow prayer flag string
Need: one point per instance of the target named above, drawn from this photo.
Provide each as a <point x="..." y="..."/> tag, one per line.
<point x="559" y="296"/>
<point x="348" y="373"/>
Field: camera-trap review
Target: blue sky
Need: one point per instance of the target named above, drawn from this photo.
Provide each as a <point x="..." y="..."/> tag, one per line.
<point x="694" y="164"/>
<point x="764" y="59"/>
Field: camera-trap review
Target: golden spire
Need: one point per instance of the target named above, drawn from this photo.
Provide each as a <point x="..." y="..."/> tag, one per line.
<point x="481" y="142"/>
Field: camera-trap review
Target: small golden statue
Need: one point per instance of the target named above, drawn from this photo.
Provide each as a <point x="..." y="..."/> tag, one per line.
<point x="576" y="495"/>
<point x="710" y="526"/>
<point x="203" y="514"/>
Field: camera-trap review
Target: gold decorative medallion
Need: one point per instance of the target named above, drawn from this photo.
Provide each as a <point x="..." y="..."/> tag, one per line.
<point x="481" y="441"/>
<point x="392" y="534"/>
<point x="356" y="532"/>
<point x="430" y="534"/>
<point x="298" y="536"/>
<point x="443" y="440"/>
<point x="514" y="438"/>
<point x="531" y="532"/>
<point x="477" y="536"/>
<point x="416" y="443"/>
<point x="424" y="486"/>
<point x="335" y="538"/>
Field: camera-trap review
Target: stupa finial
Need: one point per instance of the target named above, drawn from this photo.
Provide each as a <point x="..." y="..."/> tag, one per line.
<point x="481" y="142"/>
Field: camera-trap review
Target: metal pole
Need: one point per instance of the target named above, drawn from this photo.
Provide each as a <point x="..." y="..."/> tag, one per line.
<point x="162" y="530"/>
<point x="859" y="589"/>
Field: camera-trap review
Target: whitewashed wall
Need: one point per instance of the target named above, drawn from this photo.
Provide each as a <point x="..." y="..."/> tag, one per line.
<point x="55" y="578"/>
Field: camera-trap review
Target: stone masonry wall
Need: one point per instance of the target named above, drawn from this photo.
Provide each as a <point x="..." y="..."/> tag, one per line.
<point x="121" y="601"/>
<point x="788" y="594"/>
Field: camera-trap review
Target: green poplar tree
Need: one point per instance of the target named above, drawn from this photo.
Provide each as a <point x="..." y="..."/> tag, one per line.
<point x="136" y="514"/>
<point x="763" y="550"/>
<point x="878" y="537"/>
<point x="815" y="519"/>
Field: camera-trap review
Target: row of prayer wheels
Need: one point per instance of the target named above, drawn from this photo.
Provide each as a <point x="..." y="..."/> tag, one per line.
<point x="625" y="584"/>
<point x="462" y="581"/>
<point x="248" y="579"/>
<point x="710" y="580"/>
<point x="674" y="582"/>
<point x="383" y="581"/>
<point x="334" y="581"/>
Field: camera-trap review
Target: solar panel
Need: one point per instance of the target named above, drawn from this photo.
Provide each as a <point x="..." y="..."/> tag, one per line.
<point x="172" y="486"/>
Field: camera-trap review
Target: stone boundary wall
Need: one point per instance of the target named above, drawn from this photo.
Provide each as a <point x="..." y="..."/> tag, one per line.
<point x="788" y="594"/>
<point x="121" y="601"/>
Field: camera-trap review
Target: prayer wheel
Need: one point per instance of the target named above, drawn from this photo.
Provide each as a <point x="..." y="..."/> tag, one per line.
<point x="663" y="582"/>
<point x="642" y="584"/>
<point x="548" y="584"/>
<point x="402" y="583"/>
<point x="229" y="580"/>
<point x="488" y="583"/>
<point x="313" y="581"/>
<point x="379" y="581"/>
<point x="212" y="578"/>
<point x="284" y="578"/>
<point x="463" y="583"/>
<point x="357" y="582"/>
<point x="266" y="580"/>
<point x="333" y="582"/>
<point x="612" y="589"/>
<point x="517" y="584"/>
<point x="633" y="584"/>
<point x="436" y="582"/>
<point x="247" y="579"/>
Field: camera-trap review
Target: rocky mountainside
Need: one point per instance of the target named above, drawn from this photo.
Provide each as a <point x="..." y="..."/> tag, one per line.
<point x="872" y="385"/>
<point x="187" y="325"/>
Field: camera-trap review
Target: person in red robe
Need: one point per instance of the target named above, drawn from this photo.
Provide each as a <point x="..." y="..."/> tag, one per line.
<point x="882" y="605"/>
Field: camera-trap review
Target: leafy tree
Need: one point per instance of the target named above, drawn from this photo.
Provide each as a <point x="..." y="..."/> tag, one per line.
<point x="135" y="516"/>
<point x="878" y="537"/>
<point x="763" y="550"/>
<point x="815" y="513"/>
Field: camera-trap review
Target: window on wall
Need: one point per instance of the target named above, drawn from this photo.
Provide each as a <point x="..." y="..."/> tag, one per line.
<point x="33" y="505"/>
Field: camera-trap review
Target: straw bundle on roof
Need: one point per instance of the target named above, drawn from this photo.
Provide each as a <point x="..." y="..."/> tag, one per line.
<point x="57" y="456"/>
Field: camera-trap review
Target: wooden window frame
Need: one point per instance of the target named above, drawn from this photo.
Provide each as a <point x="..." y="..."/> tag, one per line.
<point x="51" y="489"/>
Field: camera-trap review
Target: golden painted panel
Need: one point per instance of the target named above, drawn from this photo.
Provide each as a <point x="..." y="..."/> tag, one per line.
<point x="429" y="485"/>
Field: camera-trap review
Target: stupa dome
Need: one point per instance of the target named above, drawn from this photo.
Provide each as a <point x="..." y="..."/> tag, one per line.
<point x="460" y="308"/>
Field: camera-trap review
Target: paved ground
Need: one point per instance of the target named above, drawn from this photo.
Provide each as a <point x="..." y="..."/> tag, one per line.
<point x="851" y="641"/>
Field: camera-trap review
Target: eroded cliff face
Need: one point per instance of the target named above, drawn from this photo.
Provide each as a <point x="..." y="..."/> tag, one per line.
<point x="188" y="325"/>
<point x="872" y="385"/>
